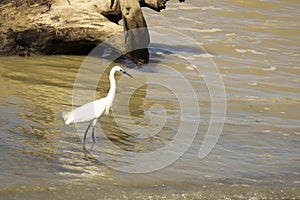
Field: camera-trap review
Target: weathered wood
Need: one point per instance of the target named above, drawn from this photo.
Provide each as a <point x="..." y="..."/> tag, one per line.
<point x="73" y="26"/>
<point x="156" y="5"/>
<point x="35" y="27"/>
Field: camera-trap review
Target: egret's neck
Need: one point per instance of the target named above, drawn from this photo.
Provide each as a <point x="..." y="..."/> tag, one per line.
<point x="112" y="89"/>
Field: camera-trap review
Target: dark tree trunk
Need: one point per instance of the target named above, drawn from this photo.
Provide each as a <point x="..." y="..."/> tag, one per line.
<point x="136" y="33"/>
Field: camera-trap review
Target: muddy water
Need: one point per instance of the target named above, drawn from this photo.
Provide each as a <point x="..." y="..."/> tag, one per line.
<point x="255" y="46"/>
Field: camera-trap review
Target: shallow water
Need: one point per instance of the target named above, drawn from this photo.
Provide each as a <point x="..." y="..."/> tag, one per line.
<point x="255" y="46"/>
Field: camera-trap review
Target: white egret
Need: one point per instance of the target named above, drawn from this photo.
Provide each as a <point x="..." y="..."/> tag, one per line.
<point x="93" y="110"/>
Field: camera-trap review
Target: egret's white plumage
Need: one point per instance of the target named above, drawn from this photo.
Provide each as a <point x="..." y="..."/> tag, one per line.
<point x="93" y="110"/>
<point x="86" y="112"/>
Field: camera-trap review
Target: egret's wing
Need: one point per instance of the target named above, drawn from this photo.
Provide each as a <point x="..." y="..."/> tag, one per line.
<point x="86" y="112"/>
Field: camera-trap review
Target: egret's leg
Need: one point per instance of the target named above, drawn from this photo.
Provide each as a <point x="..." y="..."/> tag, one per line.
<point x="85" y="133"/>
<point x="93" y="132"/>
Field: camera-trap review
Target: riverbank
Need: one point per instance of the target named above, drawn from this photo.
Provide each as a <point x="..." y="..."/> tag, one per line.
<point x="99" y="191"/>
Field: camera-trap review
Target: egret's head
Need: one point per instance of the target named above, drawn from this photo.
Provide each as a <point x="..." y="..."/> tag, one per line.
<point x="117" y="69"/>
<point x="120" y="69"/>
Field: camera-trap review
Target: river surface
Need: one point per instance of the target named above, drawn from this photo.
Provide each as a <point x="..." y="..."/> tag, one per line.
<point x="255" y="47"/>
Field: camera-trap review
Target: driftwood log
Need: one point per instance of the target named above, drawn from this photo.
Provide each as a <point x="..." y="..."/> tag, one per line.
<point x="73" y="26"/>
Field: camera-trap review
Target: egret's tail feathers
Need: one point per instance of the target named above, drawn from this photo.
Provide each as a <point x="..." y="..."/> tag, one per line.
<point x="68" y="117"/>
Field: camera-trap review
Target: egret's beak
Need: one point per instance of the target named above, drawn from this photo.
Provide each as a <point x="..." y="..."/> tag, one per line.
<point x="128" y="74"/>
